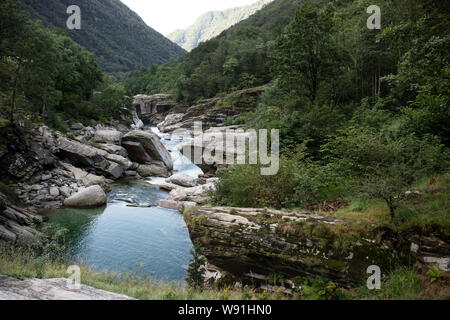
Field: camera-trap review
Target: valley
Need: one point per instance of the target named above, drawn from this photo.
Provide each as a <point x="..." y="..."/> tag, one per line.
<point x="284" y="158"/>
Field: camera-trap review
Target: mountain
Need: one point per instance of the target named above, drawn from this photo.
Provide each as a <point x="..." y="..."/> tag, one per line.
<point x="236" y="59"/>
<point x="212" y="23"/>
<point x="118" y="37"/>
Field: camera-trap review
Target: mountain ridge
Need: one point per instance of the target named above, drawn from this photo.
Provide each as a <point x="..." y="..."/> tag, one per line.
<point x="118" y="37"/>
<point x="212" y="23"/>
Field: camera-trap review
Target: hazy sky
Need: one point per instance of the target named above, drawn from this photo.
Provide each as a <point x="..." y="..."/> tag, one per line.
<point x="166" y="16"/>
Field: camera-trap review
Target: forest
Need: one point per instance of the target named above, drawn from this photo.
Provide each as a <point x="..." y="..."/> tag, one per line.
<point x="361" y="112"/>
<point x="363" y="115"/>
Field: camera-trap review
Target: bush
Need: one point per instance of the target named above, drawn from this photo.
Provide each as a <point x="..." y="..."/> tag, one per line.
<point x="298" y="182"/>
<point x="383" y="166"/>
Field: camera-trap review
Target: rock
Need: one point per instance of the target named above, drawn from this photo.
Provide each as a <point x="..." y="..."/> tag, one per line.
<point x="138" y="124"/>
<point x="81" y="155"/>
<point x="84" y="178"/>
<point x="152" y="145"/>
<point x="177" y="195"/>
<point x="130" y="173"/>
<point x="153" y="170"/>
<point x="136" y="152"/>
<point x="291" y="244"/>
<point x="108" y="136"/>
<point x="114" y="149"/>
<point x="168" y="186"/>
<point x="90" y="197"/>
<point x="171" y="122"/>
<point x="123" y="162"/>
<point x="197" y="194"/>
<point x="152" y="109"/>
<point x="182" y="179"/>
<point x="114" y="170"/>
<point x="51" y="289"/>
<point x="15" y="222"/>
<point x="176" y="205"/>
<point x="76" y="126"/>
<point x="431" y="250"/>
<point x="46" y="177"/>
<point x="65" y="191"/>
<point x="217" y="146"/>
<point x="90" y="157"/>
<point x="54" y="191"/>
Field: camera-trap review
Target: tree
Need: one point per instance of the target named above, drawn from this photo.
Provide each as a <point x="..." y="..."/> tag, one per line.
<point x="306" y="53"/>
<point x="382" y="166"/>
<point x="196" y="269"/>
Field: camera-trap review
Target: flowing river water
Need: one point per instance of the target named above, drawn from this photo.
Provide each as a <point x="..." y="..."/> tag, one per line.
<point x="130" y="233"/>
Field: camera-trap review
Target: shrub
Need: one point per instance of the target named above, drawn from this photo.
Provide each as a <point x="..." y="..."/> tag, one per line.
<point x="196" y="271"/>
<point x="383" y="166"/>
<point x="298" y="181"/>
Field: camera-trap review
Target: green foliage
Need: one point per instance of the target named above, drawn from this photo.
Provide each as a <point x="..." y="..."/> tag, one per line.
<point x="318" y="289"/>
<point x="196" y="271"/>
<point x="400" y="284"/>
<point x="112" y="102"/>
<point x="119" y="38"/>
<point x="236" y="59"/>
<point x="298" y="182"/>
<point x="434" y="273"/>
<point x="382" y="166"/>
<point x="49" y="78"/>
<point x="305" y="53"/>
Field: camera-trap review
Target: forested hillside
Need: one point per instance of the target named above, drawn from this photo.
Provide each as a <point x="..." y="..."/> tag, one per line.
<point x="117" y="36"/>
<point x="238" y="58"/>
<point x="47" y="77"/>
<point x="360" y="111"/>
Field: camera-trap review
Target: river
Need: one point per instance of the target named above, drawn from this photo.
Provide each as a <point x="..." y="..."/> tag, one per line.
<point x="130" y="233"/>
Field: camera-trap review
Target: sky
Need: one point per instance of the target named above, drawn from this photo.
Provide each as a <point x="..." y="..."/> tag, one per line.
<point x="166" y="16"/>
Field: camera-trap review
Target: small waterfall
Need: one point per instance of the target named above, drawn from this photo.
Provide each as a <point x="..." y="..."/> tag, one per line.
<point x="138" y="124"/>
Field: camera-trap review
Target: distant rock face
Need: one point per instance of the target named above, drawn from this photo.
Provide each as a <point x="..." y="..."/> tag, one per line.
<point x="151" y="109"/>
<point x="51" y="289"/>
<point x="211" y="24"/>
<point x="86" y="198"/>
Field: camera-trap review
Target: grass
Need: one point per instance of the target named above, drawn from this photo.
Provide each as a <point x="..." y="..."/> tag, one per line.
<point x="424" y="213"/>
<point x="21" y="263"/>
<point x="403" y="284"/>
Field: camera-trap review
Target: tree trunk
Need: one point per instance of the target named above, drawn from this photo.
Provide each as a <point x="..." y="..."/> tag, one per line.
<point x="13" y="95"/>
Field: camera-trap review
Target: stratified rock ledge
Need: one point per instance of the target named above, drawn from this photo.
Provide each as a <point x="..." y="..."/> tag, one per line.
<point x="51" y="289"/>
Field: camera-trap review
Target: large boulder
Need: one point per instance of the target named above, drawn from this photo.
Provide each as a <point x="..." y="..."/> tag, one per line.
<point x="182" y="179"/>
<point x="152" y="145"/>
<point x="86" y="198"/>
<point x="80" y="154"/>
<point x="123" y="162"/>
<point x="114" y="149"/>
<point x="85" y="156"/>
<point x="108" y="136"/>
<point x="255" y="243"/>
<point x="152" y="170"/>
<point x="83" y="177"/>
